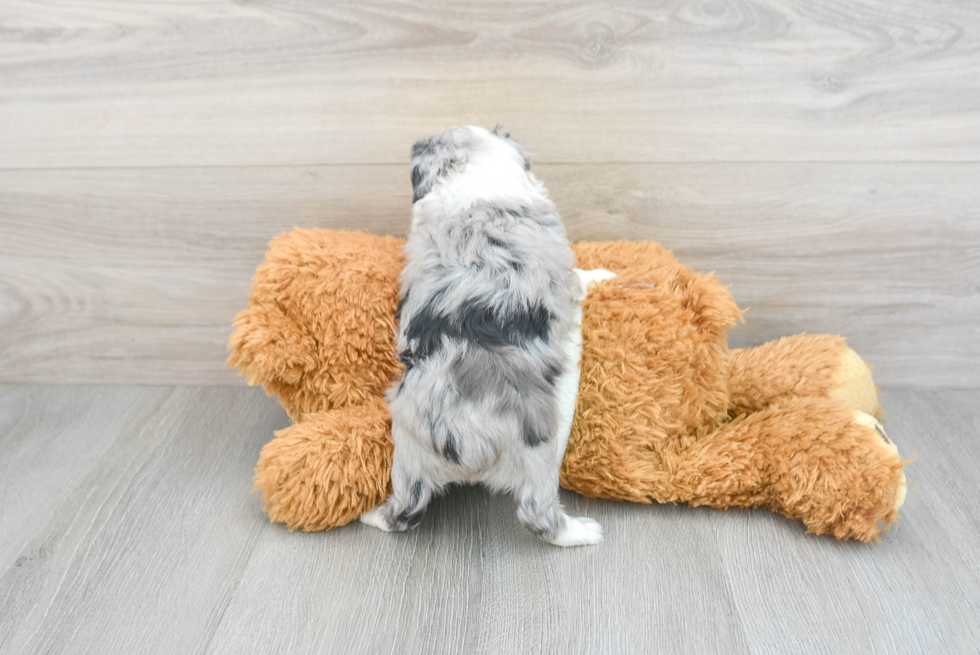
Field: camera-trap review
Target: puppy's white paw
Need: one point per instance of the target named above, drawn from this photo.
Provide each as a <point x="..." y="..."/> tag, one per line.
<point x="375" y="519"/>
<point x="579" y="532"/>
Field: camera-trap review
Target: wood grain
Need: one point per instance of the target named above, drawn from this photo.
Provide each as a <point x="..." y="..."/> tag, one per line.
<point x="50" y="441"/>
<point x="109" y="83"/>
<point x="152" y="543"/>
<point x="135" y="275"/>
<point x="822" y="157"/>
<point x="136" y="544"/>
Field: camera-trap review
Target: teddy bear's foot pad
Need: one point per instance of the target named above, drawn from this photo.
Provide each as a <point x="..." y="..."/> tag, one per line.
<point x="867" y="420"/>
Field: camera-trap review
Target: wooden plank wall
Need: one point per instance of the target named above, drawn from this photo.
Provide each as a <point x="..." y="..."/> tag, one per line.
<point x="822" y="157"/>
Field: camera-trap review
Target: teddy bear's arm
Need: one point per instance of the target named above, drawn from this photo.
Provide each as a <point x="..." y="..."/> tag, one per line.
<point x="817" y="460"/>
<point x="328" y="469"/>
<point x="266" y="345"/>
<point x="805" y="365"/>
<point x="319" y="330"/>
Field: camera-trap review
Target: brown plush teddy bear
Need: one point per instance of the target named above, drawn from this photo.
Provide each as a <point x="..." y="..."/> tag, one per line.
<point x="666" y="412"/>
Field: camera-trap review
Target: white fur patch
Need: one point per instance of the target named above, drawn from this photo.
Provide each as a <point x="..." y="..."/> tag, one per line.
<point x="579" y="532"/>
<point x="567" y="385"/>
<point x="375" y="520"/>
<point x="490" y="175"/>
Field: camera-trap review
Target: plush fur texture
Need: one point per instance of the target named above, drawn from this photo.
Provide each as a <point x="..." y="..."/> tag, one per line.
<point x="486" y="307"/>
<point x="319" y="328"/>
<point x="665" y="411"/>
<point x="812" y="365"/>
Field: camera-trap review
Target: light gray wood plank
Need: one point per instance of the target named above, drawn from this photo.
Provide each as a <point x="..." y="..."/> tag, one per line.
<point x="160" y="548"/>
<point x="140" y="272"/>
<point x="471" y="580"/>
<point x="140" y="550"/>
<point x="135" y="275"/>
<point x="51" y="440"/>
<point x="108" y="83"/>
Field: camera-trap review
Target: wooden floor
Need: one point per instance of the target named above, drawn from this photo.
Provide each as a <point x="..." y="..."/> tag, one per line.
<point x="822" y="156"/>
<point x="128" y="527"/>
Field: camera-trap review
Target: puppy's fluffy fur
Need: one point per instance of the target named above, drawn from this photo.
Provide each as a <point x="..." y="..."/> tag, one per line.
<point x="487" y="334"/>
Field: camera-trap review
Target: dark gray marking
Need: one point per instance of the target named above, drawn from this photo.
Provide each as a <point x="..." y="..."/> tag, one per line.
<point x="412" y="515"/>
<point x="473" y="323"/>
<point x="433" y="159"/>
<point x="546" y="522"/>
<point x="411" y="519"/>
<point x="552" y="372"/>
<point x="531" y="436"/>
<point x="401" y="304"/>
<point x="450" y="451"/>
<point x="510" y="254"/>
<point x="421" y="182"/>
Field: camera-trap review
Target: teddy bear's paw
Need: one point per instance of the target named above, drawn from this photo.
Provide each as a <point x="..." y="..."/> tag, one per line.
<point x="867" y="420"/>
<point x="579" y="532"/>
<point x="854" y="385"/>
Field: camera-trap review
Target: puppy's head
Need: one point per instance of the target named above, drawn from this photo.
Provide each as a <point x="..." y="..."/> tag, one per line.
<point x="451" y="152"/>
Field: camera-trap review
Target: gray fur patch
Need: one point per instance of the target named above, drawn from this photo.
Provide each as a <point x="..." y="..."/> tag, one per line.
<point x="435" y="157"/>
<point x="478" y="334"/>
<point x="486" y="310"/>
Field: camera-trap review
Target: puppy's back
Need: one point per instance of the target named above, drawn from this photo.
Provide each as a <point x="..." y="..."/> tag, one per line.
<point x="486" y="305"/>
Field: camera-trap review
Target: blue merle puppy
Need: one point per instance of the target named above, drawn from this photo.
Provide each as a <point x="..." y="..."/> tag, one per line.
<point x="489" y="335"/>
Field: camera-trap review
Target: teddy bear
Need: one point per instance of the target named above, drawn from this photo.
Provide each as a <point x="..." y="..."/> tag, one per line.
<point x="666" y="412"/>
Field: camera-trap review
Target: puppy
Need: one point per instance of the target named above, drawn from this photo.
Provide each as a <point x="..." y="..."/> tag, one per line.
<point x="488" y="337"/>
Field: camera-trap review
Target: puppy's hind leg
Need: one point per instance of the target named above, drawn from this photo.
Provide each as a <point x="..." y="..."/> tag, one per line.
<point x="411" y="493"/>
<point x="540" y="510"/>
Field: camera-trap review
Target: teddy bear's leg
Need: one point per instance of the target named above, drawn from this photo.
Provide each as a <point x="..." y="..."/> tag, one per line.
<point x="805" y="365"/>
<point x="817" y="460"/>
<point x="329" y="469"/>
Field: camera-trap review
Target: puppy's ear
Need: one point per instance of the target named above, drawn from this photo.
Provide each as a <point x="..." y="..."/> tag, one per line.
<point x="500" y="131"/>
<point x="421" y="184"/>
<point x="433" y="158"/>
<point x="419" y="147"/>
